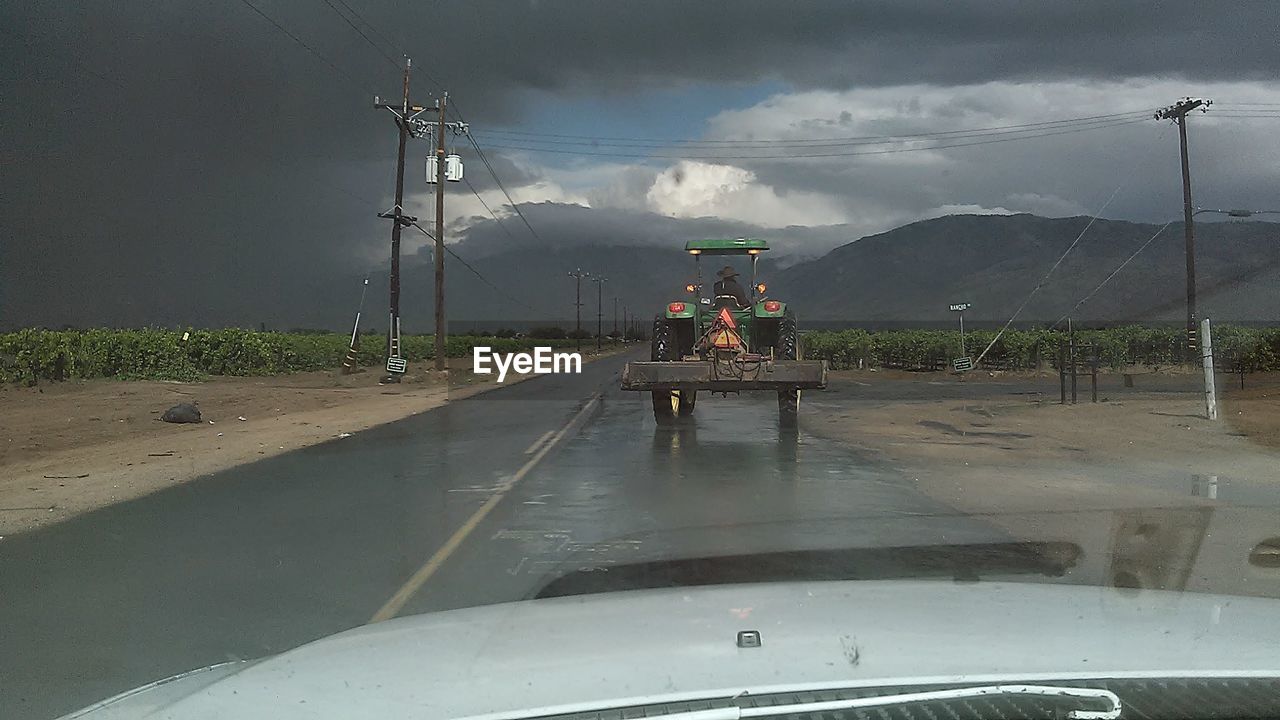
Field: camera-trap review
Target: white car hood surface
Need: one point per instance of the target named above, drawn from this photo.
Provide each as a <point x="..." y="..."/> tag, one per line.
<point x="611" y="650"/>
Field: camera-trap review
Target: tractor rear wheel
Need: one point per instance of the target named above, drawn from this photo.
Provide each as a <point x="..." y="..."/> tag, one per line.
<point x="684" y="407"/>
<point x="662" y="348"/>
<point x="788" y="408"/>
<point x="787" y="347"/>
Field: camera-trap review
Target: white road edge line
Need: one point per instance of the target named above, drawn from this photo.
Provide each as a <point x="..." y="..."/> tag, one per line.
<point x="424" y="573"/>
<point x="538" y="443"/>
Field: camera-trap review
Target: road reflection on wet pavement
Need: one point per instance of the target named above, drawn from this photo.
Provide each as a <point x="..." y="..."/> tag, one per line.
<point x="531" y="490"/>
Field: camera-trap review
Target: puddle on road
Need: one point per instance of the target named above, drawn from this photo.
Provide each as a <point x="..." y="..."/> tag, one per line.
<point x="953" y="430"/>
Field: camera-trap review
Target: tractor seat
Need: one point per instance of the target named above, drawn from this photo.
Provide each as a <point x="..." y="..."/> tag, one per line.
<point x="727" y="301"/>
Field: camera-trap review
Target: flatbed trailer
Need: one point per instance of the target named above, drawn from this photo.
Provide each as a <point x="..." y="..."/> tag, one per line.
<point x="703" y="375"/>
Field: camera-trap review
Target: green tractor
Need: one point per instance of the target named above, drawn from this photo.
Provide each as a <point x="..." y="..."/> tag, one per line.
<point x="720" y="345"/>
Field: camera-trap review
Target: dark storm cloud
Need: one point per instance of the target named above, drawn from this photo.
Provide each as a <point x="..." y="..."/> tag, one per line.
<point x="590" y="45"/>
<point x="176" y="162"/>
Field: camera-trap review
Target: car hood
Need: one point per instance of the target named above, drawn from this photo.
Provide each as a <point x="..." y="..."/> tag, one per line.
<point x="592" y="652"/>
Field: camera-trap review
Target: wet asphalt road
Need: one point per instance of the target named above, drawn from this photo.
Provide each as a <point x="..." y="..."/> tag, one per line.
<point x="262" y="558"/>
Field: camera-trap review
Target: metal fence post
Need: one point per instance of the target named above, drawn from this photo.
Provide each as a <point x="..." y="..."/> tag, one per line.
<point x="1071" y="348"/>
<point x="1062" y="371"/>
<point x="1093" y="368"/>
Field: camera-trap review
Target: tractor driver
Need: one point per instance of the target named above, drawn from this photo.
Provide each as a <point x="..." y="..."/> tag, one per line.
<point x="728" y="285"/>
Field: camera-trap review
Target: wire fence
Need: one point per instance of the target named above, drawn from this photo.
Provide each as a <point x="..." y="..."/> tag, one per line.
<point x="1258" y="349"/>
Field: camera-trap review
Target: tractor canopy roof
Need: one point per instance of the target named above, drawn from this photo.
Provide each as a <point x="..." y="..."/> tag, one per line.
<point x="721" y="246"/>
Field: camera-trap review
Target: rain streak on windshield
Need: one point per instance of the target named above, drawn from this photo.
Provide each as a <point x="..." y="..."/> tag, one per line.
<point x="539" y="360"/>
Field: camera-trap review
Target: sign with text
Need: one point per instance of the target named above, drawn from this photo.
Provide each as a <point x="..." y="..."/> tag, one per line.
<point x="397" y="365"/>
<point x="962" y="364"/>
<point x="960" y="307"/>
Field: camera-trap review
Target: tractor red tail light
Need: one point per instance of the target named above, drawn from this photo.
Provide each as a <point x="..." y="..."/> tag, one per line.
<point x="676" y="307"/>
<point x="772" y="306"/>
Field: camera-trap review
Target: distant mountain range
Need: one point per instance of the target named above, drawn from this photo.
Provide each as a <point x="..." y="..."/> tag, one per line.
<point x="914" y="272"/>
<point x="909" y="274"/>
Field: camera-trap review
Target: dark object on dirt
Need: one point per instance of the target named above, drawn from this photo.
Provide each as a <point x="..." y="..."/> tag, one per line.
<point x="182" y="413"/>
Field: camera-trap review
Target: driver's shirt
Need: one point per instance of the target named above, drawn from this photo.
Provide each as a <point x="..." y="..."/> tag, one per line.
<point x="730" y="286"/>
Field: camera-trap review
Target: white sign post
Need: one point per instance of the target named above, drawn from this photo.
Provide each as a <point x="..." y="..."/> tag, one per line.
<point x="964" y="362"/>
<point x="1206" y="354"/>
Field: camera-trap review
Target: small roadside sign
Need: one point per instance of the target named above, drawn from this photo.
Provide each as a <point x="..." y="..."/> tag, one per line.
<point x="397" y="365"/>
<point x="960" y="307"/>
<point x="962" y="364"/>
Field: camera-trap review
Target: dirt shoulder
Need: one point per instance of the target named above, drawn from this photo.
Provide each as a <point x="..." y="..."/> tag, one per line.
<point x="1005" y="447"/>
<point x="66" y="448"/>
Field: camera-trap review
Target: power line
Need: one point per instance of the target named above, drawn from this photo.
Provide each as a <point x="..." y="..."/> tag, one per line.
<point x="356" y="14"/>
<point x="815" y="144"/>
<point x="396" y="48"/>
<point x="1115" y="272"/>
<point x="794" y="156"/>
<point x="1056" y="263"/>
<point x="302" y="44"/>
<point x="498" y="180"/>
<point x="347" y="20"/>
<point x="477" y="273"/>
<point x="389" y="42"/>
<point x="486" y="207"/>
<point x="597" y="141"/>
<point x="429" y="236"/>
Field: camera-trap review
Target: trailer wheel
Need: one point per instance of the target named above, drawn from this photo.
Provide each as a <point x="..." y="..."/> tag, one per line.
<point x="662" y="348"/>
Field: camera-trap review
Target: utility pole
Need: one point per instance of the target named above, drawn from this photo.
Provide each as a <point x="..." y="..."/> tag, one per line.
<point x="409" y="125"/>
<point x="405" y="114"/>
<point x="599" y="281"/>
<point x="1178" y="114"/>
<point x="615" y="316"/>
<point x="577" y="275"/>
<point x="441" y="329"/>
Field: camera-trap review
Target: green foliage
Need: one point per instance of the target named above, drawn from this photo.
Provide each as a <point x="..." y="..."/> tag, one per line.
<point x="548" y="333"/>
<point x="28" y="356"/>
<point x="1256" y="349"/>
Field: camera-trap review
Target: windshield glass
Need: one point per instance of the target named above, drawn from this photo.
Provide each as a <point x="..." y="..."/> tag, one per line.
<point x="691" y="349"/>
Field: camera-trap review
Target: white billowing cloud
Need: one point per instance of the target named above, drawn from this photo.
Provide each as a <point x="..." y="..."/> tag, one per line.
<point x="462" y="207"/>
<point x="1123" y="167"/>
<point x="1043" y="165"/>
<point x="1045" y="205"/>
<point x="697" y="189"/>
<point x="954" y="209"/>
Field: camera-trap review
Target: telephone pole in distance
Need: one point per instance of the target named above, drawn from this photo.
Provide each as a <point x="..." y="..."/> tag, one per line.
<point x="577" y="275"/>
<point x="599" y="280"/>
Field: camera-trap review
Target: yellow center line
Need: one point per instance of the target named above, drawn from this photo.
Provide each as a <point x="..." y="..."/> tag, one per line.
<point x="424" y="573"/>
<point x="538" y="443"/>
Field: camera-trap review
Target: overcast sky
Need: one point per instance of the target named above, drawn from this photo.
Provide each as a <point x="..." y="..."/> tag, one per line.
<point x="182" y="161"/>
